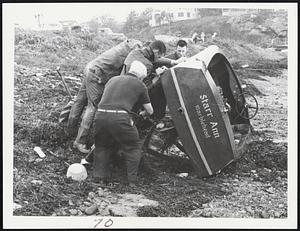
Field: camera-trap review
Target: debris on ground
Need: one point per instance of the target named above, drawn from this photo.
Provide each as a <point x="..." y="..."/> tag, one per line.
<point x="254" y="186"/>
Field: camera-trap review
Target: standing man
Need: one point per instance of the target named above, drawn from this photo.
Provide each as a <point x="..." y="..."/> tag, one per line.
<point x="195" y="37"/>
<point x="214" y="36"/>
<point x="202" y="36"/>
<point x="97" y="73"/>
<point x="114" y="126"/>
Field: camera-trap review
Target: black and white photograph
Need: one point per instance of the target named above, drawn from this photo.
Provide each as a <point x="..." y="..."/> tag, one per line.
<point x="150" y="115"/>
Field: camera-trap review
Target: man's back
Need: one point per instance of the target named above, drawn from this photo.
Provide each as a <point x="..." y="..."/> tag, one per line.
<point x="140" y="55"/>
<point x="111" y="61"/>
<point x="122" y="92"/>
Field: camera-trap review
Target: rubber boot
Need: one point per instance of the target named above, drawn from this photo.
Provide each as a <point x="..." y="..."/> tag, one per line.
<point x="81" y="137"/>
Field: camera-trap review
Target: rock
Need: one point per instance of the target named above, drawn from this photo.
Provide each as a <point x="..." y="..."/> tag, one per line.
<point x="268" y="170"/>
<point x="16" y="206"/>
<point x="207" y="214"/>
<point x="271" y="190"/>
<point x="38" y="160"/>
<point x="36" y="182"/>
<point x="234" y="194"/>
<point x="100" y="191"/>
<point x="82" y="208"/>
<point x="264" y="214"/>
<point x="71" y="203"/>
<point x="122" y="211"/>
<point x="73" y="212"/>
<point x="277" y="214"/>
<point x="205" y="205"/>
<point x="87" y="203"/>
<point x="196" y="213"/>
<point x="78" y="202"/>
<point x="91" y="210"/>
<point x="113" y="200"/>
<point x="249" y="210"/>
<point x="104" y="212"/>
<point x="91" y="195"/>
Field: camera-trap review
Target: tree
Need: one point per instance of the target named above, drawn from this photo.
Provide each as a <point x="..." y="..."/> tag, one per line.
<point x="209" y="12"/>
<point x="166" y="17"/>
<point x="108" y="21"/>
<point x="130" y="22"/>
<point x="94" y="25"/>
<point x="136" y="22"/>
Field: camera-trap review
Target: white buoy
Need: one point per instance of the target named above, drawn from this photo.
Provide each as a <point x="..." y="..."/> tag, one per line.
<point x="77" y="172"/>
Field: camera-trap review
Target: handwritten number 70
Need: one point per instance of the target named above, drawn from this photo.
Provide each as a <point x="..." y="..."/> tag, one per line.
<point x="108" y="223"/>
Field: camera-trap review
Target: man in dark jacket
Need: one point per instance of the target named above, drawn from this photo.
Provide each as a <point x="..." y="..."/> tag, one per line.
<point x="146" y="55"/>
<point x="181" y="49"/>
<point x="174" y="58"/>
<point x="97" y="73"/>
<point x="114" y="126"/>
<point x="156" y="92"/>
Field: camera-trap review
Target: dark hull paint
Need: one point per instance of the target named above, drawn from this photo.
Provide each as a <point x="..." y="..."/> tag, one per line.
<point x="197" y="110"/>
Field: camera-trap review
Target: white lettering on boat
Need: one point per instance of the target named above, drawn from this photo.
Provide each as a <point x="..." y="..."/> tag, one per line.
<point x="202" y="121"/>
<point x="205" y="114"/>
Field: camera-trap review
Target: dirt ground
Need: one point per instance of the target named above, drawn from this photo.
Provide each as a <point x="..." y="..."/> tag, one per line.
<point x="254" y="186"/>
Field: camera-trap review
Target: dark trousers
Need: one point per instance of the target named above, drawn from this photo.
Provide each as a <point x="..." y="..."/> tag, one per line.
<point x="116" y="129"/>
<point x="158" y="100"/>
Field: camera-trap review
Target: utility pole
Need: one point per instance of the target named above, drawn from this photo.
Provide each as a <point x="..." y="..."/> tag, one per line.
<point x="37" y="16"/>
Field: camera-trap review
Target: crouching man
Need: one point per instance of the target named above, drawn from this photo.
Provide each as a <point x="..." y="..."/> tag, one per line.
<point x="114" y="126"/>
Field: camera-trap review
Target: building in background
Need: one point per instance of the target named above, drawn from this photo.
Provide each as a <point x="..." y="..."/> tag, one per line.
<point x="165" y="16"/>
<point x="237" y="11"/>
<point x="69" y="25"/>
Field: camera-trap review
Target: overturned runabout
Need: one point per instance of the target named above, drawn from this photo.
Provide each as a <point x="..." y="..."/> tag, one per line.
<point x="209" y="110"/>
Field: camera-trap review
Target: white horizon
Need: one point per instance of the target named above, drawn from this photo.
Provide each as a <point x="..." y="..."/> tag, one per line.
<point x="24" y="13"/>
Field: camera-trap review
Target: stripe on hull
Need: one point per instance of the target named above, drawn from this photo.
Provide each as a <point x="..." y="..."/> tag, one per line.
<point x="191" y="129"/>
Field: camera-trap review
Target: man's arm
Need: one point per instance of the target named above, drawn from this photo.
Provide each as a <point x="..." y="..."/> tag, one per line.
<point x="168" y="62"/>
<point x="148" y="109"/>
<point x="163" y="61"/>
<point x="145" y="101"/>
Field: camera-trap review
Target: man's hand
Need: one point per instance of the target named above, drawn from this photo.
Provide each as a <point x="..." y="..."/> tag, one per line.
<point x="160" y="70"/>
<point x="180" y="60"/>
<point x="144" y="114"/>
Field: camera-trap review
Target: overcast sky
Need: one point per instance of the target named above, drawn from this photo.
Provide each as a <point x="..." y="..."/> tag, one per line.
<point x="54" y="12"/>
<point x="81" y="12"/>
